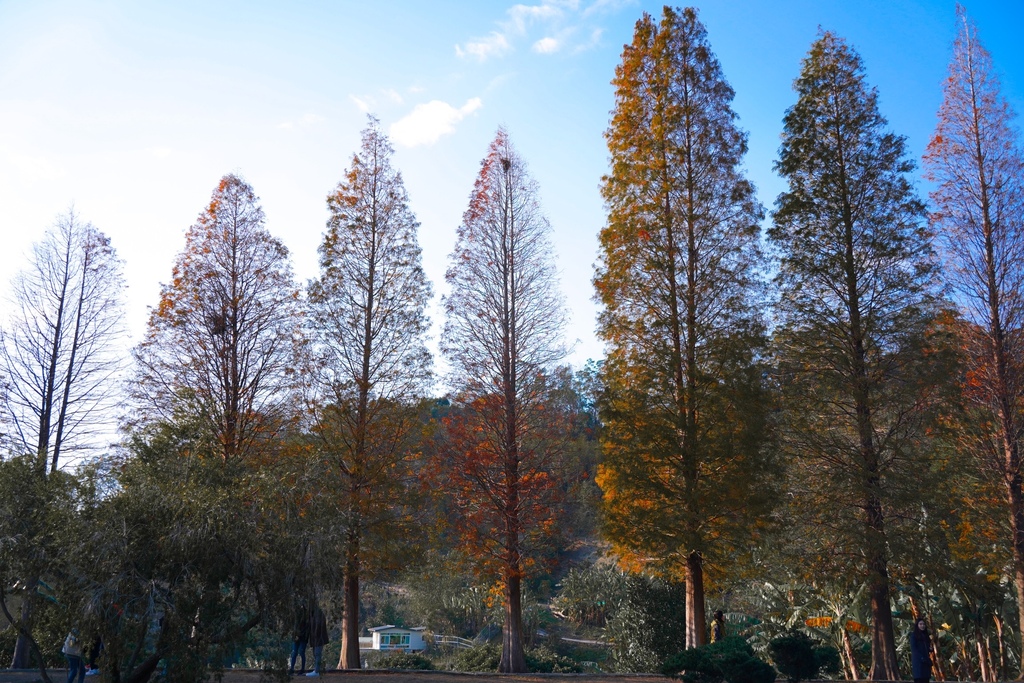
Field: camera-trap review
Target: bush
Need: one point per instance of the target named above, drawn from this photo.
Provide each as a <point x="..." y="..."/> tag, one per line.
<point x="731" y="660"/>
<point x="828" y="660"/>
<point x="649" y="625"/>
<point x="793" y="654"/>
<point x="544" y="660"/>
<point x="403" y="660"/>
<point x="480" y="658"/>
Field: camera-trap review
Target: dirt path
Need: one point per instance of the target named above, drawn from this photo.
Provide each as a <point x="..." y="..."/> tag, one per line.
<point x="248" y="676"/>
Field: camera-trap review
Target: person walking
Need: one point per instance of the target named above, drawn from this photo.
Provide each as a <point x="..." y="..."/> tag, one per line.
<point x="300" y="639"/>
<point x="318" y="637"/>
<point x="921" y="652"/>
<point x="73" y="654"/>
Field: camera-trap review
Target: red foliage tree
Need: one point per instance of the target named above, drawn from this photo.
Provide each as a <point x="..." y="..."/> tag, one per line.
<point x="501" y="334"/>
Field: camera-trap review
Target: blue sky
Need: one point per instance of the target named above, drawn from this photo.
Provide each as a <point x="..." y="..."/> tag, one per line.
<point x="134" y="110"/>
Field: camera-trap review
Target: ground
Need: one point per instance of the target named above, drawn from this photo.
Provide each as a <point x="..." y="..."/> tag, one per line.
<point x="246" y="676"/>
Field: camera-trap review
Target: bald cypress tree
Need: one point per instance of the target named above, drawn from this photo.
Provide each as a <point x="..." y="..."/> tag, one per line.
<point x="975" y="160"/>
<point x="857" y="303"/>
<point x="684" y="407"/>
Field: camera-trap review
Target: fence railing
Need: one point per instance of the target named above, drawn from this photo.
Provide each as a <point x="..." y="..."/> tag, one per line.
<point x="452" y="641"/>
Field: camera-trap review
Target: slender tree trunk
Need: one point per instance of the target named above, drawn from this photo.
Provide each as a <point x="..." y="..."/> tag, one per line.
<point x="983" y="655"/>
<point x="349" y="658"/>
<point x="70" y="375"/>
<point x="696" y="623"/>
<point x="966" y="668"/>
<point x="854" y="672"/>
<point x="939" y="661"/>
<point x="1002" y="647"/>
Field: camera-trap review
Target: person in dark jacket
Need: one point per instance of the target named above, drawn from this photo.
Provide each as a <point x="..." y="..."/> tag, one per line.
<point x="921" y="652"/>
<point x="300" y="638"/>
<point x="318" y="637"/>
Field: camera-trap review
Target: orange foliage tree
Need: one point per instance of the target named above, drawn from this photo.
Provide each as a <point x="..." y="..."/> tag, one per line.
<point x="220" y="347"/>
<point x="502" y="333"/>
<point x="684" y="408"/>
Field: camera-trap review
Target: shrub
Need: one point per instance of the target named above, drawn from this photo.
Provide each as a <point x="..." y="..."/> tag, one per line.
<point x="544" y="660"/>
<point x="649" y="625"/>
<point x="403" y="660"/>
<point x="828" y="660"/>
<point x="793" y="654"/>
<point x="731" y="660"/>
<point x="480" y="658"/>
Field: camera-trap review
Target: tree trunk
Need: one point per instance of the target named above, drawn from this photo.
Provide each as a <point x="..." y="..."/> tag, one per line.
<point x="1013" y="494"/>
<point x="848" y="646"/>
<point x="513" y="658"/>
<point x="938" y="661"/>
<point x="696" y="619"/>
<point x="883" y="637"/>
<point x="1002" y="647"/>
<point x="349" y="658"/>
<point x="22" y="646"/>
<point x="983" y="658"/>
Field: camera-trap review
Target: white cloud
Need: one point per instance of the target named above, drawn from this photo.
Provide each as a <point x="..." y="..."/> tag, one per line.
<point x="555" y="20"/>
<point x="393" y="95"/>
<point x="428" y="122"/>
<point x="361" y="103"/>
<point x="493" y="45"/>
<point x="521" y="15"/>
<point x="546" y="46"/>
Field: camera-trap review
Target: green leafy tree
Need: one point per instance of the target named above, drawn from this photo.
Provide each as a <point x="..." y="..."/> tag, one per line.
<point x="857" y="338"/>
<point x="974" y="158"/>
<point x="39" y="524"/>
<point x="186" y="554"/>
<point x="369" y="324"/>
<point x="684" y="470"/>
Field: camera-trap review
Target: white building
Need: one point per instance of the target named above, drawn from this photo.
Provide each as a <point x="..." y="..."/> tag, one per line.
<point x="397" y="638"/>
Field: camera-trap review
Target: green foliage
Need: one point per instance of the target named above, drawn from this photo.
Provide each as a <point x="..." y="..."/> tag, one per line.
<point x="828" y="660"/>
<point x="862" y="348"/>
<point x="546" y="661"/>
<point x="181" y="564"/>
<point x="485" y="658"/>
<point x="793" y="654"/>
<point x="649" y="625"/>
<point x="447" y="600"/>
<point x="482" y="658"/>
<point x="587" y="597"/>
<point x="41" y="557"/>
<point x="401" y="660"/>
<point x="731" y="660"/>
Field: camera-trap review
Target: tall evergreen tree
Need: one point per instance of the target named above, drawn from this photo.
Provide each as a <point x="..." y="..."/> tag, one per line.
<point x="858" y="297"/>
<point x="502" y="334"/>
<point x="369" y="325"/>
<point x="975" y="160"/>
<point x="684" y="407"/>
